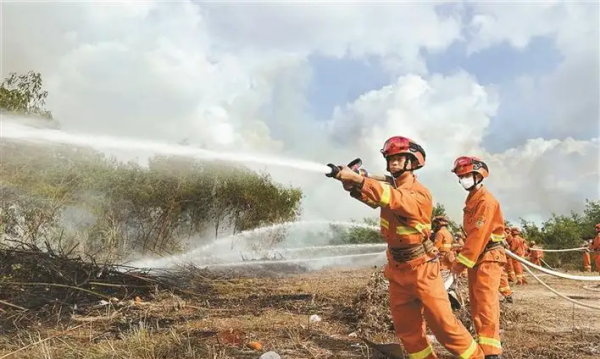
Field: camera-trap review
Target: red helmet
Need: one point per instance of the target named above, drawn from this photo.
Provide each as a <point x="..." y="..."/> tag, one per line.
<point x="402" y="145"/>
<point x="515" y="230"/>
<point x="469" y="164"/>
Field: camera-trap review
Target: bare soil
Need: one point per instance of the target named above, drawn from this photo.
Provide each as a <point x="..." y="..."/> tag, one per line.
<point x="223" y="314"/>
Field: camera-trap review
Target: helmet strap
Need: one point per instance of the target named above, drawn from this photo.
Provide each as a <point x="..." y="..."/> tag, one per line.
<point x="404" y="169"/>
<point x="477" y="182"/>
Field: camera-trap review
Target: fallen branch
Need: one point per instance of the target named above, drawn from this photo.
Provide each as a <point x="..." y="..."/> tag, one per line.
<point x="99" y="318"/>
<point x="13" y="305"/>
<point x="59" y="286"/>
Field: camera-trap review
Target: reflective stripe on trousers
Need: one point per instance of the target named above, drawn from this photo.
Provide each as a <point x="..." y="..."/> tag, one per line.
<point x="422" y="354"/>
<point x="490" y="341"/>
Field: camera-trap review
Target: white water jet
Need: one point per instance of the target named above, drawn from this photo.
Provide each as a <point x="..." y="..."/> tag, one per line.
<point x="312" y="262"/>
<point x="223" y="250"/>
<point x="16" y="131"/>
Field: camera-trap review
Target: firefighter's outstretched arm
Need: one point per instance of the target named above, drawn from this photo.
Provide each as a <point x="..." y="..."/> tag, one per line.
<point x="405" y="202"/>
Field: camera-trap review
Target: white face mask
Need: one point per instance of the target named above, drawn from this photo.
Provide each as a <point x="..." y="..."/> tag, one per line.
<point x="467" y="182"/>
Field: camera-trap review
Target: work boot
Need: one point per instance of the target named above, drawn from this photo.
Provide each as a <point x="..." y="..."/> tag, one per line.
<point x="509" y="298"/>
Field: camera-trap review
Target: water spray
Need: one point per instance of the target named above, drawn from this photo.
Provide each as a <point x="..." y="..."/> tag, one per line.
<point x="20" y="132"/>
<point x="222" y="242"/>
<point x="300" y="260"/>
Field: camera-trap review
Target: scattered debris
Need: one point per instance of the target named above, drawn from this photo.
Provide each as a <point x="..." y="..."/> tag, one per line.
<point x="255" y="345"/>
<point x="270" y="355"/>
<point x="37" y="284"/>
<point x="371" y="306"/>
<point x="314" y="318"/>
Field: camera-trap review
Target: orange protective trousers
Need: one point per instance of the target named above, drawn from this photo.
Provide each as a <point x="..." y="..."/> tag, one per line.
<point x="417" y="291"/>
<point x="536" y="261"/>
<point x="484" y="281"/>
<point x="518" y="271"/>
<point x="510" y="269"/>
<point x="597" y="261"/>
<point x="587" y="262"/>
<point x="504" y="285"/>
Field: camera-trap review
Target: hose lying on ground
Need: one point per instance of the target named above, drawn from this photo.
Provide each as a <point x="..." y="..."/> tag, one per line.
<point x="592" y="288"/>
<point x="560" y="250"/>
<point x="559" y="294"/>
<point x="551" y="272"/>
<point x="547" y="265"/>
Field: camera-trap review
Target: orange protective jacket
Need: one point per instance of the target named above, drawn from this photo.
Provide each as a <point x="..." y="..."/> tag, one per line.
<point x="483" y="222"/>
<point x="443" y="240"/>
<point x="518" y="245"/>
<point x="525" y="247"/>
<point x="406" y="209"/>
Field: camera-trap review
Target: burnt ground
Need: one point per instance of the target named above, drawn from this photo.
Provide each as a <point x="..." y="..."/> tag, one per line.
<point x="221" y="315"/>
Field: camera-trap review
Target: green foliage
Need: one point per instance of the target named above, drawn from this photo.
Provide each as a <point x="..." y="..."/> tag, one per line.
<point x="561" y="231"/>
<point x="356" y="235"/>
<point x="23" y="94"/>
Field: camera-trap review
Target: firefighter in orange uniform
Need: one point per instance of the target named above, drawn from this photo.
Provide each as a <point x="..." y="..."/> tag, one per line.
<point x="483" y="252"/>
<point x="518" y="248"/>
<point x="587" y="259"/>
<point x="510" y="270"/>
<point x="413" y="269"/>
<point x="595" y="248"/>
<point x="535" y="254"/>
<point x="443" y="241"/>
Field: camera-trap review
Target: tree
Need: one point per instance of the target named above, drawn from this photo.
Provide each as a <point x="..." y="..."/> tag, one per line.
<point x="24" y="94"/>
<point x="564" y="231"/>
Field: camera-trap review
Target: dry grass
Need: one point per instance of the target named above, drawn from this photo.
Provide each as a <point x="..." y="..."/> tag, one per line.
<point x="275" y="311"/>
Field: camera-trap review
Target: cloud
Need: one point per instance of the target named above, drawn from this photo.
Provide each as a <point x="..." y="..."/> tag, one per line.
<point x="235" y="78"/>
<point x="569" y="94"/>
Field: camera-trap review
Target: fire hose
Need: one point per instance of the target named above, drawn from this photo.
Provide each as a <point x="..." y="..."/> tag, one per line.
<point x="551" y="272"/>
<point x="560" y="294"/>
<point x="560" y="250"/>
<point x="527" y="264"/>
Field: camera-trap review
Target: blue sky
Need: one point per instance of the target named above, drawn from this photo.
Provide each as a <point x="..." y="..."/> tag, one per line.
<point x="500" y="65"/>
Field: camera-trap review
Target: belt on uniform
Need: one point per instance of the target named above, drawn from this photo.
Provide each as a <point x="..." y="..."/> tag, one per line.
<point x="403" y="255"/>
<point x="492" y="245"/>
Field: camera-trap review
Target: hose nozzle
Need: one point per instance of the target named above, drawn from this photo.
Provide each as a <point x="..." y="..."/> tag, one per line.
<point x="354" y="166"/>
<point x="334" y="170"/>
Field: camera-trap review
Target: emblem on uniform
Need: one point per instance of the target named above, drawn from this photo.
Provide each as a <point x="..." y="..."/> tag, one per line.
<point x="480" y="222"/>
